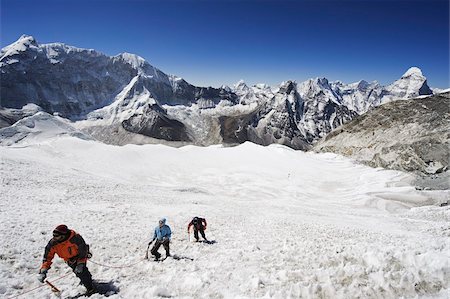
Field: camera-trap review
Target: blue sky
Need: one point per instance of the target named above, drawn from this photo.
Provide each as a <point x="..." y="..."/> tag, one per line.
<point x="221" y="42"/>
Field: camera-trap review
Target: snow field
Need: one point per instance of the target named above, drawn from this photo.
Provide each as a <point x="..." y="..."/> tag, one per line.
<point x="287" y="224"/>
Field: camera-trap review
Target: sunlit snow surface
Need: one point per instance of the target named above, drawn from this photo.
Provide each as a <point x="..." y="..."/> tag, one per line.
<point x="287" y="224"/>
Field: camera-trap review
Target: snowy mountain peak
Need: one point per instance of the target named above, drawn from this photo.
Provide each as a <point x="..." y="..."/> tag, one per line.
<point x="27" y="39"/>
<point x="362" y="85"/>
<point x="21" y="45"/>
<point x="134" y="60"/>
<point x="241" y="86"/>
<point x="413" y="71"/>
<point x="322" y="81"/>
<point x="287" y="86"/>
<point x="412" y="84"/>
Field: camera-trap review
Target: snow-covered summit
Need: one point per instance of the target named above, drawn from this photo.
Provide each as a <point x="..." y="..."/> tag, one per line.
<point x="412" y="84"/>
<point x="413" y="71"/>
<point x="134" y="60"/>
<point x="21" y="45"/>
<point x="240" y="87"/>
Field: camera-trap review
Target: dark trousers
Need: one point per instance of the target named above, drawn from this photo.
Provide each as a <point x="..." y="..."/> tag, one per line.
<point x="85" y="276"/>
<point x="202" y="232"/>
<point x="158" y="244"/>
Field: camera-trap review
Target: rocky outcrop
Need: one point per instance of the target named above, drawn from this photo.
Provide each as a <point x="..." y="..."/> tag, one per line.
<point x="154" y="123"/>
<point x="411" y="135"/>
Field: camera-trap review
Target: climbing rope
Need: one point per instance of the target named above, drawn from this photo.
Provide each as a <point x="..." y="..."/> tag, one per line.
<point x="103" y="265"/>
<point x="116" y="267"/>
<point x="38" y="287"/>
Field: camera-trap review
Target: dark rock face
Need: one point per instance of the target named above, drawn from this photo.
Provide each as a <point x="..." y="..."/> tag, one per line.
<point x="425" y="89"/>
<point x="234" y="129"/>
<point x="79" y="82"/>
<point x="410" y="135"/>
<point x="276" y="123"/>
<point x="154" y="123"/>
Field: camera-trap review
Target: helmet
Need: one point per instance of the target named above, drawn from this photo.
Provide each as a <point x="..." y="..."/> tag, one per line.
<point x="195" y="220"/>
<point x="61" y="230"/>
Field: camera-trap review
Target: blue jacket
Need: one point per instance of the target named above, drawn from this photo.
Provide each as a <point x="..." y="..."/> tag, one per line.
<point x="162" y="232"/>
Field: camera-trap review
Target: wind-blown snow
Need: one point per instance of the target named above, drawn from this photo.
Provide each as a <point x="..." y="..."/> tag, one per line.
<point x="287" y="224"/>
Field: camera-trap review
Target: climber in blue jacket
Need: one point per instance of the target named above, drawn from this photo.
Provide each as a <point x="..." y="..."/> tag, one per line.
<point x="161" y="236"/>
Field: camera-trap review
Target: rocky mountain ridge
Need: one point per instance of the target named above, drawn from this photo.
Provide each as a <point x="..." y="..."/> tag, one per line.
<point x="124" y="97"/>
<point x="411" y="135"/>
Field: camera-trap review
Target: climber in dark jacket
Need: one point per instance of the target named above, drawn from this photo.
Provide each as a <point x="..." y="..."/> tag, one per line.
<point x="199" y="225"/>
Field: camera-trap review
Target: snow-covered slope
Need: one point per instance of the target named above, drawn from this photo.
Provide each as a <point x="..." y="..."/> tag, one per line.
<point x="287" y="224"/>
<point x="38" y="127"/>
<point x="8" y="116"/>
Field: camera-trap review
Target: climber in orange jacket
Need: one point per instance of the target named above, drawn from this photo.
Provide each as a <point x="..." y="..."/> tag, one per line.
<point x="69" y="246"/>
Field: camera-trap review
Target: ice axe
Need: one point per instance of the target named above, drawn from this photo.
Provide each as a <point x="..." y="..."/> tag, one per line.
<point x="54" y="289"/>
<point x="146" y="252"/>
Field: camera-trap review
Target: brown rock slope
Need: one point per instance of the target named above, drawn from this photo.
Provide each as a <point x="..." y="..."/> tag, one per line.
<point x="410" y="135"/>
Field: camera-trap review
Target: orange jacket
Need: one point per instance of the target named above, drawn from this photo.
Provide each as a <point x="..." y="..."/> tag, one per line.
<point x="72" y="250"/>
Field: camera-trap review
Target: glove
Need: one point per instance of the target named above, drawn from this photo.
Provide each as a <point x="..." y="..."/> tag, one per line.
<point x="79" y="268"/>
<point x="42" y="275"/>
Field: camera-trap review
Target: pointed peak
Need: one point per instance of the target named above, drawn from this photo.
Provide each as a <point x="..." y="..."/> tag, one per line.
<point x="286" y="83"/>
<point x="287" y="86"/>
<point x="322" y="81"/>
<point x="132" y="59"/>
<point x="21" y="45"/>
<point x="413" y="71"/>
<point x="240" y="85"/>
<point x="27" y="40"/>
<point x="363" y="84"/>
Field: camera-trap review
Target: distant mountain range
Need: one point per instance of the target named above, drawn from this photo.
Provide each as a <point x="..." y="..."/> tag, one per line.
<point x="123" y="99"/>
